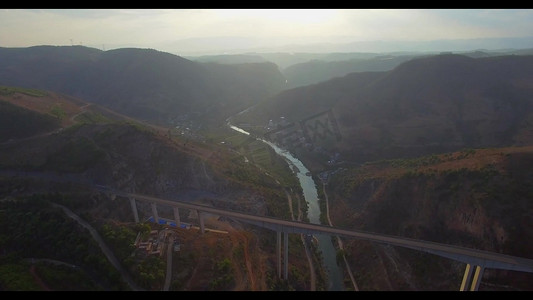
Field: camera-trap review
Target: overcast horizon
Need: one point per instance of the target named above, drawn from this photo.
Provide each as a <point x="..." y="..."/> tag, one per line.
<point x="218" y="31"/>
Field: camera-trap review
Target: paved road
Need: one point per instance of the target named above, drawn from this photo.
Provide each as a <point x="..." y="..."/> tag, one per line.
<point x="169" y="263"/>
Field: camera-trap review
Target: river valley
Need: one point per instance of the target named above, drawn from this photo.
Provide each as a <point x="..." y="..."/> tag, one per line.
<point x="310" y="194"/>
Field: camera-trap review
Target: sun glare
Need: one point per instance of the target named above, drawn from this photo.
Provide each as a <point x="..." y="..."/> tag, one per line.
<point x="281" y="15"/>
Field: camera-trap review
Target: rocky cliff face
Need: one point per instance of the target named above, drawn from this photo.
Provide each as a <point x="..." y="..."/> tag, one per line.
<point x="479" y="199"/>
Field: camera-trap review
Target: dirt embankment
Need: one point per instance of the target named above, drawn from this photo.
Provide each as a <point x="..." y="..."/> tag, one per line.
<point x="38" y="279"/>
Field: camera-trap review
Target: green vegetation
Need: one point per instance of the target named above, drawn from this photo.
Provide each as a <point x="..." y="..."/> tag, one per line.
<point x="77" y="155"/>
<point x="223" y="277"/>
<point x="137" y="125"/>
<point x="255" y="164"/>
<point x="57" y="111"/>
<point x="256" y="152"/>
<point x="322" y="204"/>
<point x="150" y="272"/>
<point x="119" y="238"/>
<point x="147" y="271"/>
<point x="182" y="266"/>
<point x="17" y="122"/>
<point x="428" y="269"/>
<point x="297" y="279"/>
<point x="247" y="173"/>
<point x="31" y="228"/>
<point x="10" y="90"/>
<point x="341" y="253"/>
<point x="65" y="278"/>
<point x="406" y="163"/>
<point x="92" y="118"/>
<point x="16" y="277"/>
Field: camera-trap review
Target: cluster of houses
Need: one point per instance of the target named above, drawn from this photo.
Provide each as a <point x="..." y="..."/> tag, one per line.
<point x="154" y="244"/>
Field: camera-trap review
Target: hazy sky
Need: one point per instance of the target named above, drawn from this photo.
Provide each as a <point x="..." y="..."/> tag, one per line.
<point x="203" y="30"/>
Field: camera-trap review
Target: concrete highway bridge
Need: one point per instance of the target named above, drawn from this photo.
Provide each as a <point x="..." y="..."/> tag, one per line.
<point x="476" y="260"/>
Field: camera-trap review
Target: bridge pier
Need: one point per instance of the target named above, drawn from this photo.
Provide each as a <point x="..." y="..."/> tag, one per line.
<point x="466" y="277"/>
<point x="201" y="219"/>
<point x="134" y="208"/>
<point x="176" y="216"/>
<point x="278" y="252"/>
<point x="154" y="212"/>
<point x="473" y="281"/>
<point x="477" y="278"/>
<point x="286" y="255"/>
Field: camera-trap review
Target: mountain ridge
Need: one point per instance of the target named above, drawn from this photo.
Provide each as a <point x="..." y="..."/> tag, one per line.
<point x="143" y="83"/>
<point x="435" y="103"/>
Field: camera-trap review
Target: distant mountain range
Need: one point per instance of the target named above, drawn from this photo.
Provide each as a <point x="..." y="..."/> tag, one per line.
<point x="406" y="106"/>
<point x="425" y="105"/>
<point x="301" y="68"/>
<point x="143" y="83"/>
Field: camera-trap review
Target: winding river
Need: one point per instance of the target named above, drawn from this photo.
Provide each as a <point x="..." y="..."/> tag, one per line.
<point x="310" y="193"/>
